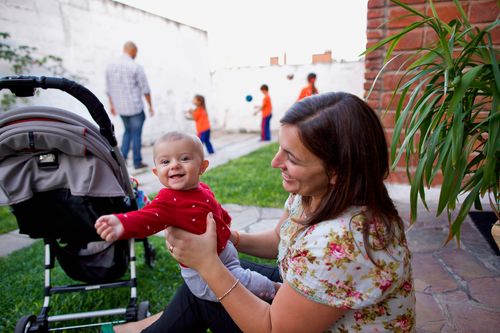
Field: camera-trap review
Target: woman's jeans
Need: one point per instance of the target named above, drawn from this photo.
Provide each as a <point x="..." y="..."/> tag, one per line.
<point x="205" y="138"/>
<point x="132" y="136"/>
<point x="266" y="128"/>
<point x="187" y="313"/>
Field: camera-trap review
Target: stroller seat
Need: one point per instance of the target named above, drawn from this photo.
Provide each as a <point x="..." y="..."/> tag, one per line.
<point x="59" y="173"/>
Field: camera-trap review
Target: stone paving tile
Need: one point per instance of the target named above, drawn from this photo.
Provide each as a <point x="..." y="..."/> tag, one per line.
<point x="463" y="264"/>
<point x="429" y="315"/>
<point x="429" y="275"/>
<point x="13" y="241"/>
<point x="262" y="225"/>
<point x="421" y="240"/>
<point x="468" y="316"/>
<point x="486" y="291"/>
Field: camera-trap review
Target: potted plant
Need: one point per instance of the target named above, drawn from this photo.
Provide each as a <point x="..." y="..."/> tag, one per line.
<point x="448" y="108"/>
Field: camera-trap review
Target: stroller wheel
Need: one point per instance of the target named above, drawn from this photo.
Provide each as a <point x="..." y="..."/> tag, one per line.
<point x="23" y="325"/>
<point x="142" y="310"/>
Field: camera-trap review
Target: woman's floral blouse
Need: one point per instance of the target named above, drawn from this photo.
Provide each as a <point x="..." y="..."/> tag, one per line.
<point x="327" y="263"/>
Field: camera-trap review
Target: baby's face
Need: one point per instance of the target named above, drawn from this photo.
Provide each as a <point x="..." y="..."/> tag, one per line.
<point x="179" y="164"/>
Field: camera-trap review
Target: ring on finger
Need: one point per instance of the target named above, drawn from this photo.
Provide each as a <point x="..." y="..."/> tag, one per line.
<point x="171" y="249"/>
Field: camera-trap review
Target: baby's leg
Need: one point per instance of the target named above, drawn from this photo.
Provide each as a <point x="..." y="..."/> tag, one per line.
<point x="257" y="283"/>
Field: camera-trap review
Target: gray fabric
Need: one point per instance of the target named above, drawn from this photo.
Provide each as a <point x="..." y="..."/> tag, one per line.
<point x="257" y="283"/>
<point x="86" y="166"/>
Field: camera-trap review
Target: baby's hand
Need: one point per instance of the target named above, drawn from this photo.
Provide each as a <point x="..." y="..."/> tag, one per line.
<point x="109" y="228"/>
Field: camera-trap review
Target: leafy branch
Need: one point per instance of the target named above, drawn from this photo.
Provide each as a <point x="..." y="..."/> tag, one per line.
<point x="23" y="58"/>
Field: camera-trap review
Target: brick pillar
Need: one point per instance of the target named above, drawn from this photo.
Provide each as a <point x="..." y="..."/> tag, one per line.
<point x="480" y="13"/>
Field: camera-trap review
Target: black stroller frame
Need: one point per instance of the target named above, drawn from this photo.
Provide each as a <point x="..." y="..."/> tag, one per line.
<point x="25" y="86"/>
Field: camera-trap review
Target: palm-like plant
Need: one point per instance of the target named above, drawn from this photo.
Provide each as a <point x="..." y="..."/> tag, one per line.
<point x="448" y="104"/>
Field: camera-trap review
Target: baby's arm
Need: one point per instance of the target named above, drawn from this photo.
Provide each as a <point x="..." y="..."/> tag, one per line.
<point x="109" y="228"/>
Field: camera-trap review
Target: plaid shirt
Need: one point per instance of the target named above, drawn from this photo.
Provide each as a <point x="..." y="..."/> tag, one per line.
<point x="126" y="83"/>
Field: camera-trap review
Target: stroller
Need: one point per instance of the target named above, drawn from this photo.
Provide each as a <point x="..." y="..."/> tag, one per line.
<point x="59" y="173"/>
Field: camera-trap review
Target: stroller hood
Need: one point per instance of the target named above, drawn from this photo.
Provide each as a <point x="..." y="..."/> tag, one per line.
<point x="80" y="159"/>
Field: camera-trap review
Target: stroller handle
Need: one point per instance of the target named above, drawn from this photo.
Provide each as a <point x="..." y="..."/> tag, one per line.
<point x="25" y="86"/>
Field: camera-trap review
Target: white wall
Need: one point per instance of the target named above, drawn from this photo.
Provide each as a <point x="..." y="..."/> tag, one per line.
<point x="88" y="34"/>
<point x="231" y="111"/>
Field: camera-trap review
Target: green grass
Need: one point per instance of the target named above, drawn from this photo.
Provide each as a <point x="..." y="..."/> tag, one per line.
<point x="248" y="180"/>
<point x="22" y="277"/>
<point x="7" y="220"/>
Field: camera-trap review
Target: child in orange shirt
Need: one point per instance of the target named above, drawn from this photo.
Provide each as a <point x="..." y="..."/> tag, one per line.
<point x="200" y="116"/>
<point x="310" y="89"/>
<point x="267" y="110"/>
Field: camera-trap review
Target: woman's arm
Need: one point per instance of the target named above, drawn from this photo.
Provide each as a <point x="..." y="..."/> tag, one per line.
<point x="289" y="312"/>
<point x="261" y="244"/>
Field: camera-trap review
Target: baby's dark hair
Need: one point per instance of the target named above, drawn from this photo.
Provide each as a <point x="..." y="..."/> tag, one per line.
<point x="177" y="136"/>
<point x="264" y="87"/>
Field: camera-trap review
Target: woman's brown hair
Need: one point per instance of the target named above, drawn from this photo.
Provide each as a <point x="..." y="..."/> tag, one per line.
<point x="346" y="134"/>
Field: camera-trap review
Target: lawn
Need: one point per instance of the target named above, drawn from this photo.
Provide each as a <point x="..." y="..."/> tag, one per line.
<point x="7" y="220"/>
<point x="22" y="276"/>
<point x="248" y="180"/>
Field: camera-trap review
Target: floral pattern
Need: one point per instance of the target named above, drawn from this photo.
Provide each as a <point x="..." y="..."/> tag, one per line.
<point x="328" y="264"/>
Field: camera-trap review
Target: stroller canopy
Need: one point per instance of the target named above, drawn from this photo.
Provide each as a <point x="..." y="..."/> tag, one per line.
<point x="44" y="148"/>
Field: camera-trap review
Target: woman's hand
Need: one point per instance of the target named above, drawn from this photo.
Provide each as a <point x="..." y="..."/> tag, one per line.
<point x="195" y="251"/>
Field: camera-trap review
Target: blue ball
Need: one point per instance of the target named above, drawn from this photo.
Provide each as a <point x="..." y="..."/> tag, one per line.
<point x="249" y="98"/>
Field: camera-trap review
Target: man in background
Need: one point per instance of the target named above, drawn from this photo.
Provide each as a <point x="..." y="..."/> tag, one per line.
<point x="126" y="83"/>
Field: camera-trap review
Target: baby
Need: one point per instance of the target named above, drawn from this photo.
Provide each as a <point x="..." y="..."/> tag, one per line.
<point x="184" y="203"/>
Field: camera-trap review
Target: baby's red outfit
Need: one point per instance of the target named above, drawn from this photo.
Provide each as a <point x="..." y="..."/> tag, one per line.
<point x="184" y="209"/>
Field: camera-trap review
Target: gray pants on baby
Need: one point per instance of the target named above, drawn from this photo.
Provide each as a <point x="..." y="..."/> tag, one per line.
<point x="253" y="281"/>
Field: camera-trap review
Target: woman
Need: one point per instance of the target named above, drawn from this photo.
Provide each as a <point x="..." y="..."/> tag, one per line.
<point x="200" y="116"/>
<point x="310" y="89"/>
<point x="340" y="244"/>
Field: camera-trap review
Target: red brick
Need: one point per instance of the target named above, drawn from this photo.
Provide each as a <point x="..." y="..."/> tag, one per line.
<point x="483" y="12"/>
<point x="375" y="54"/>
<point x="391" y="103"/>
<point x="370" y="43"/>
<point x="374" y="23"/>
<point x="373" y="103"/>
<point x="368" y="85"/>
<point x="387" y="119"/>
<point x="373" y="64"/>
<point x="410" y="2"/>
<point x="398" y="17"/>
<point x="376" y="3"/>
<point x="391" y="81"/>
<point x="430" y="37"/>
<point x="376" y="13"/>
<point x="398" y="177"/>
<point x="447" y="11"/>
<point x="411" y="41"/>
<point x="375" y="34"/>
<point x="399" y="59"/>
<point x="373" y="95"/>
<point x="370" y="75"/>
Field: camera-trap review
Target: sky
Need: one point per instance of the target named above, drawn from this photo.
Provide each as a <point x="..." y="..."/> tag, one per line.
<point x="248" y="33"/>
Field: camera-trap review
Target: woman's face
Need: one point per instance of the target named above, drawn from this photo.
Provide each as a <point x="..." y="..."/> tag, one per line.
<point x="302" y="172"/>
<point x="196" y="102"/>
